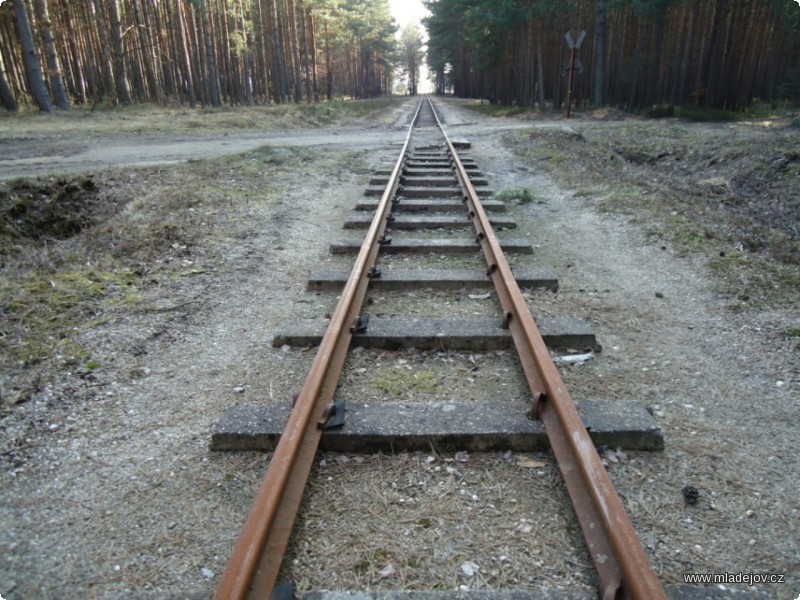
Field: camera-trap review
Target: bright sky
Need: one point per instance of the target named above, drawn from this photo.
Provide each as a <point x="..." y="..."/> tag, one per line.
<point x="407" y="11"/>
<point x="404" y="11"/>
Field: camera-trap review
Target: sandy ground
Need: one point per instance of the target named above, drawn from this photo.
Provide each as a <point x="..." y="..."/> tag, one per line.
<point x="108" y="487"/>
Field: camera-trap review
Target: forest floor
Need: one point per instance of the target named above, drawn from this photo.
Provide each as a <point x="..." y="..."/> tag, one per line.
<point x="146" y="265"/>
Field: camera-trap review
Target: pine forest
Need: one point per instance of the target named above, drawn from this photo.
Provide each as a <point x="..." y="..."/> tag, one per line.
<point x="629" y="54"/>
<point x="636" y="53"/>
<point x="202" y="52"/>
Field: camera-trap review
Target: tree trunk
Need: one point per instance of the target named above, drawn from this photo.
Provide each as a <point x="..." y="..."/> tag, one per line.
<point x="328" y="67"/>
<point x="211" y="55"/>
<point x="105" y="48"/>
<point x="6" y="96"/>
<point x="298" y="89"/>
<point x="306" y="58"/>
<point x="687" y="48"/>
<point x="122" y="86"/>
<point x="228" y="65"/>
<point x="15" y="71"/>
<point x="540" y="74"/>
<point x="188" y="78"/>
<point x="60" y="95"/>
<point x="312" y="40"/>
<point x="142" y="26"/>
<point x="79" y="80"/>
<point x="708" y="54"/>
<point x="277" y="53"/>
<point x="247" y="60"/>
<point x="169" y="47"/>
<point x="30" y="56"/>
<point x="262" y="68"/>
<point x="600" y="55"/>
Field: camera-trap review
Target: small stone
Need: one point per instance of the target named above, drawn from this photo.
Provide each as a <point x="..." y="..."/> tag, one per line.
<point x="469" y="568"/>
<point x="387" y="572"/>
<point x="659" y="295"/>
<point x="239" y="389"/>
<point x="207" y="573"/>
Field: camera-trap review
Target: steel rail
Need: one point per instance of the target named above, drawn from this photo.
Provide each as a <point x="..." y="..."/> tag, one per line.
<point x="255" y="562"/>
<point x="622" y="566"/>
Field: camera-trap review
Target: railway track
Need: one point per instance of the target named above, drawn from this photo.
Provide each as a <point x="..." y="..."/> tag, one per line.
<point x="427" y="184"/>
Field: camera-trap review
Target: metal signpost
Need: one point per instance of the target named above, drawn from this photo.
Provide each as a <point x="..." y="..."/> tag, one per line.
<point x="574" y="63"/>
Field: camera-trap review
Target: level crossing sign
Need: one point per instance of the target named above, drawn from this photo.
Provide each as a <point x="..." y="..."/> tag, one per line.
<point x="573" y="45"/>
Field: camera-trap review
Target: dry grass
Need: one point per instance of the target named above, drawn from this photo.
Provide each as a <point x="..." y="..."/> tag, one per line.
<point x="77" y="250"/>
<point x="145" y="119"/>
<point x="414" y="521"/>
<point x="730" y="193"/>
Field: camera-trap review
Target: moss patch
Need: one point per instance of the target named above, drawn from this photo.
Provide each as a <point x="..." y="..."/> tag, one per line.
<point x="43" y="311"/>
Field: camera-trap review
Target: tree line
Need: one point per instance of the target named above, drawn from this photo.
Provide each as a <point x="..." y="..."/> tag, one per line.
<point x="58" y="52"/>
<point x="637" y="53"/>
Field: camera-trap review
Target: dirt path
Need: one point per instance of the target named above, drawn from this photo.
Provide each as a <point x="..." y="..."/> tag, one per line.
<point x="109" y="490"/>
<point x="34" y="157"/>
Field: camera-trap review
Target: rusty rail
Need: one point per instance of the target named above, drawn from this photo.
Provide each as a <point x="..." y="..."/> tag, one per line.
<point x="622" y="566"/>
<point x="257" y="555"/>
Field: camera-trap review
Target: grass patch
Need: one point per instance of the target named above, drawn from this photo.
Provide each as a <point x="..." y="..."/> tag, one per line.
<point x="757" y="281"/>
<point x="659" y="111"/>
<point x="498" y="110"/>
<point x="43" y="310"/>
<point x="709" y="192"/>
<point x="397" y="381"/>
<point x="138" y="119"/>
<point x="699" y="114"/>
<point x="518" y="195"/>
